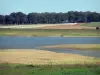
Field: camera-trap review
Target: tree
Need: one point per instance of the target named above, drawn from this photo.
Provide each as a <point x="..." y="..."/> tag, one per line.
<point x="32" y="18"/>
<point x="8" y="19"/>
<point x="71" y="16"/>
<point x="49" y="18"/>
<point x="2" y="19"/>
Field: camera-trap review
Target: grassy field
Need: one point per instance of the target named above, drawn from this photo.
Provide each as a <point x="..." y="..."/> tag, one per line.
<point x="48" y="32"/>
<point x="92" y="24"/>
<point x="76" y="46"/>
<point x="18" y="69"/>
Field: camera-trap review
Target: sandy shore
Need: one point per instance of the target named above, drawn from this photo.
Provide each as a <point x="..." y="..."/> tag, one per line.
<point x="28" y="56"/>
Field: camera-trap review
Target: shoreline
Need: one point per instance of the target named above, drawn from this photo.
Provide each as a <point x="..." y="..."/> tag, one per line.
<point x="48" y="36"/>
<point x="72" y="36"/>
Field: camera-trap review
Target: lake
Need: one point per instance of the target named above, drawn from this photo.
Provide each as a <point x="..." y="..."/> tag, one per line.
<point x="12" y="42"/>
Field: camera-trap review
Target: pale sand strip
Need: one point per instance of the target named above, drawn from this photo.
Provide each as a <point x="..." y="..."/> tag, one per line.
<point x="28" y="56"/>
<point x="34" y="25"/>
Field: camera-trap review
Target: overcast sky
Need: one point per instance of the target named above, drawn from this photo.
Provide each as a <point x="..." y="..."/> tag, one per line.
<point x="27" y="6"/>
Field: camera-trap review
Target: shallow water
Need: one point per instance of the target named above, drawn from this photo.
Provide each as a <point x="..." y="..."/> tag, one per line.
<point x="34" y="42"/>
<point x="92" y="53"/>
<point x="9" y="42"/>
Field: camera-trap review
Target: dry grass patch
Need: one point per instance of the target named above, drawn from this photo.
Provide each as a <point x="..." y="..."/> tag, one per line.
<point x="76" y="46"/>
<point x="41" y="57"/>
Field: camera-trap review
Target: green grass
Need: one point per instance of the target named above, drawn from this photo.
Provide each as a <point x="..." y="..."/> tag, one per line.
<point x="92" y="24"/>
<point x="11" y="69"/>
<point x="48" y="32"/>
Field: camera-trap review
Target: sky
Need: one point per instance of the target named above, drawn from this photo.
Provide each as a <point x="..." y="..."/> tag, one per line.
<point x="28" y="6"/>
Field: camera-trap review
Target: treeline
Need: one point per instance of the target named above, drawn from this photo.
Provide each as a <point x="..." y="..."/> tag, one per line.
<point x="49" y="18"/>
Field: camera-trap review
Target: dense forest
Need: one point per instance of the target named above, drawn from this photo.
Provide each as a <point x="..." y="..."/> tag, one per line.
<point x="49" y="18"/>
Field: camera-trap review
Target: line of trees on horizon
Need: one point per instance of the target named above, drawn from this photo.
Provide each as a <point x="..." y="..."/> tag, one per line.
<point x="49" y="18"/>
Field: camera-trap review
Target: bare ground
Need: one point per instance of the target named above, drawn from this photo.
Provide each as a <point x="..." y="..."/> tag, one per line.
<point x="77" y="26"/>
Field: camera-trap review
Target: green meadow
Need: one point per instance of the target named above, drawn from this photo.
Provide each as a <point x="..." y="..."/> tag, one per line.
<point x="18" y="69"/>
